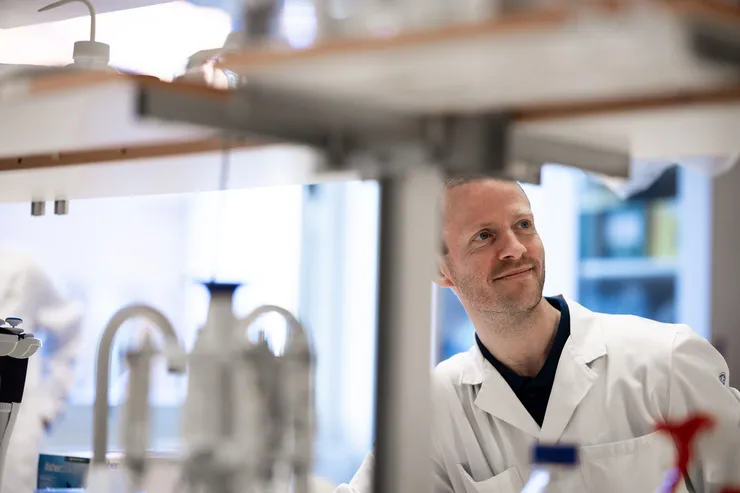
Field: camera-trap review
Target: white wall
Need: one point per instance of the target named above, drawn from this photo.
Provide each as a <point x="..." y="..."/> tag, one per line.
<point x="695" y="251"/>
<point x="359" y="313"/>
<point x="248" y="236"/>
<point x="109" y="253"/>
<point x="339" y="300"/>
<point x="555" y="208"/>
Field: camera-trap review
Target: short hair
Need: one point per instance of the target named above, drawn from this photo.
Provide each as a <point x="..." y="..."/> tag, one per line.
<point x="449" y="184"/>
<point x="453" y="182"/>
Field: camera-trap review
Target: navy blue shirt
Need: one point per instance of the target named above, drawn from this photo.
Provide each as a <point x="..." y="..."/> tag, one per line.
<point x="534" y="392"/>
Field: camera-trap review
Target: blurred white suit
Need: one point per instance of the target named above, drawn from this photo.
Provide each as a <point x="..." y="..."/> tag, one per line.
<point x="26" y="291"/>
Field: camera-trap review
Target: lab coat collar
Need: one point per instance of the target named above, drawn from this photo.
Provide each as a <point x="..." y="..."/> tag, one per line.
<point x="573" y="379"/>
<point x="586" y="336"/>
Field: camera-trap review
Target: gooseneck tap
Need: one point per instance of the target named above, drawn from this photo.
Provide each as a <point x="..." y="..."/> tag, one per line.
<point x="90" y="9"/>
<point x="173" y="352"/>
<point x="294" y="397"/>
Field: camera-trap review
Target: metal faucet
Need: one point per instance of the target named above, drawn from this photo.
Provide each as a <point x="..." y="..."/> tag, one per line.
<point x="173" y="352"/>
<point x="291" y="399"/>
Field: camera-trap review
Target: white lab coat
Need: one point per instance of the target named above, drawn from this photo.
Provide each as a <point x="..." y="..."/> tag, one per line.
<point x="26" y="291"/>
<point x="616" y="377"/>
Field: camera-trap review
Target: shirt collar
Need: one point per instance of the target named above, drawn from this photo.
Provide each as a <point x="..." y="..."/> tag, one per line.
<point x="546" y="376"/>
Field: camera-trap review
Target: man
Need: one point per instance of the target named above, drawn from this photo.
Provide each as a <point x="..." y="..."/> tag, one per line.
<point x="549" y="370"/>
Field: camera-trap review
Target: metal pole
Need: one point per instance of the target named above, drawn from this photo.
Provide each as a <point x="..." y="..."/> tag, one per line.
<point x="409" y="245"/>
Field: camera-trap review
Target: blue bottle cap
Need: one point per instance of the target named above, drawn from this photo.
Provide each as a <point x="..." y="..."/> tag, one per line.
<point x="221" y="287"/>
<point x="555" y="454"/>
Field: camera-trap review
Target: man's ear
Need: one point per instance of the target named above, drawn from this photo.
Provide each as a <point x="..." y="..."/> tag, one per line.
<point x="443" y="273"/>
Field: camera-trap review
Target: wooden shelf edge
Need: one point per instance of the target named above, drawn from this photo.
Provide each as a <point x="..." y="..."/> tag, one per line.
<point x="547" y="17"/>
<point x="73" y="80"/>
<point x="713" y="9"/>
<point x="542" y="18"/>
<point x="687" y="99"/>
<point x="533" y="114"/>
<point x="100" y="156"/>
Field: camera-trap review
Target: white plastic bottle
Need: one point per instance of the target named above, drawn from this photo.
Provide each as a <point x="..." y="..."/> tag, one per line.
<point x="555" y="466"/>
<point x="89" y="54"/>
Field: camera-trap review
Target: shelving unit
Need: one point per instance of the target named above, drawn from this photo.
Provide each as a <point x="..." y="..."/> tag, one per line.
<point x="78" y="135"/>
<point x="627" y="268"/>
<point x="626" y="81"/>
<point x="634" y="254"/>
<point x="87" y="112"/>
<point x="527" y="59"/>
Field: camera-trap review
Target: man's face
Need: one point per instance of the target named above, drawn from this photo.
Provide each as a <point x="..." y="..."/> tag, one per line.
<point x="496" y="260"/>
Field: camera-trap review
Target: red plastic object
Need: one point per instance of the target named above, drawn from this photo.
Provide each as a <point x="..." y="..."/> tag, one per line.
<point x="683" y="434"/>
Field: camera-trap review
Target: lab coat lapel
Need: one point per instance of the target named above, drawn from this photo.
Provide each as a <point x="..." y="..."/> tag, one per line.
<point x="574" y="377"/>
<point x="496" y="397"/>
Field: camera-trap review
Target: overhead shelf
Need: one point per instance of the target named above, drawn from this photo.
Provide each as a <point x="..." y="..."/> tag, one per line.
<point x="627" y="78"/>
<point x="86" y="111"/>
<point x="275" y="165"/>
<point x="624" y="81"/>
<point x="538" y="56"/>
<point x="79" y="135"/>
<point x="673" y="127"/>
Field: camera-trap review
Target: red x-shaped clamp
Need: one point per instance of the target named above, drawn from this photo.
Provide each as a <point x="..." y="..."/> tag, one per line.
<point x="683" y="435"/>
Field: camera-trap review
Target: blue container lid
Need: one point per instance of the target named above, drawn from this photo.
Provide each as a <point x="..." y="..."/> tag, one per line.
<point x="555" y="454"/>
<point x="221" y="287"/>
<point x="60" y="490"/>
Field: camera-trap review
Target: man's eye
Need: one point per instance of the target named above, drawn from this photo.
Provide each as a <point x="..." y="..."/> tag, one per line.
<point x="484" y="235"/>
<point x="525" y="223"/>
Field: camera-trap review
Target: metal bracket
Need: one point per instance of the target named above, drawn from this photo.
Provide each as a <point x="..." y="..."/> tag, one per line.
<point x="493" y="144"/>
<point x="529" y="152"/>
<point x="336" y="126"/>
<point x="468" y="145"/>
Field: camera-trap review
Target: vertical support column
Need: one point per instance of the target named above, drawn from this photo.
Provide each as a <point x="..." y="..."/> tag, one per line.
<point x="409" y="244"/>
<point x="725" y="269"/>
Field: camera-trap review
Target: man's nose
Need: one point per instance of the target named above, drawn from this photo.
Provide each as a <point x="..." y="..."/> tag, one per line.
<point x="511" y="247"/>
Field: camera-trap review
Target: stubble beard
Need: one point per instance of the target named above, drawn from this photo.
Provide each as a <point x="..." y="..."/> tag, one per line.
<point x="503" y="310"/>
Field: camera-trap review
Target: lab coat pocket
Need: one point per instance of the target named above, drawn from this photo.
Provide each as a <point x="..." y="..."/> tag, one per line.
<point x="508" y="481"/>
<point x="636" y="465"/>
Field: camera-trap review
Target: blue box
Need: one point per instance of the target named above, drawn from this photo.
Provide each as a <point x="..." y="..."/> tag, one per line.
<point x="62" y="472"/>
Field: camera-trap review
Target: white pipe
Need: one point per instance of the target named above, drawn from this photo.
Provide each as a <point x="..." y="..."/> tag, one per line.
<point x="90" y="8"/>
